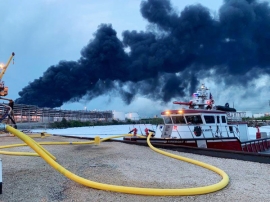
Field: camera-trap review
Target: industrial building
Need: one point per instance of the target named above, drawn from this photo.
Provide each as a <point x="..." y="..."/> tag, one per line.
<point x="26" y="115"/>
<point x="121" y="116"/>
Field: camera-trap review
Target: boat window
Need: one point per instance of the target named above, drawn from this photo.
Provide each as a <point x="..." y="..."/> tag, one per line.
<point x="218" y="119"/>
<point x="195" y="119"/>
<point x="223" y="118"/>
<point x="178" y="119"/>
<point x="231" y="129"/>
<point x="167" y="119"/>
<point x="209" y="119"/>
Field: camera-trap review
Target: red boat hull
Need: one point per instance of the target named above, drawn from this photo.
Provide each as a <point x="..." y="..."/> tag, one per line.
<point x="232" y="144"/>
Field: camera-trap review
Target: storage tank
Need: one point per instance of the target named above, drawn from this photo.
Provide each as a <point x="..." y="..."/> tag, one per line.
<point x="119" y="116"/>
<point x="132" y="116"/>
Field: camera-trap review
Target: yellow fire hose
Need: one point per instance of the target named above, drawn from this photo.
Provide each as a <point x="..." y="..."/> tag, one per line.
<point x="50" y="143"/>
<point x="130" y="190"/>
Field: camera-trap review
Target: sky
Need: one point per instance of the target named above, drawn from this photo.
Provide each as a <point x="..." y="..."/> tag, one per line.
<point x="43" y="33"/>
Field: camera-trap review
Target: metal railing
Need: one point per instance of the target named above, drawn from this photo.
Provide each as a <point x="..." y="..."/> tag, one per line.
<point x="258" y="145"/>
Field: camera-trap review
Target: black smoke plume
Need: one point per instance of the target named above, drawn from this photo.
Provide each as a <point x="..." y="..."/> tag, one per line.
<point x="166" y="61"/>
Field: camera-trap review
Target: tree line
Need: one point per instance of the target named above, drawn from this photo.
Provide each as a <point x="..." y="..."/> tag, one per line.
<point x="64" y="123"/>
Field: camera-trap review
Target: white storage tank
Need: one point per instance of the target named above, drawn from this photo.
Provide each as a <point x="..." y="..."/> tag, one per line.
<point x="132" y="116"/>
<point x="119" y="116"/>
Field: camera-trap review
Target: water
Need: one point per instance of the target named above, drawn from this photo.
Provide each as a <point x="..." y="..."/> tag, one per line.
<point x="112" y="130"/>
<point x="101" y="131"/>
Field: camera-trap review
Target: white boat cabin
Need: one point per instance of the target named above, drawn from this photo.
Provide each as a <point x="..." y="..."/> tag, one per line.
<point x="200" y="123"/>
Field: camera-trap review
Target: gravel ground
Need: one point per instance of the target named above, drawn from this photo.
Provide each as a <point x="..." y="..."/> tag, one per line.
<point x="32" y="179"/>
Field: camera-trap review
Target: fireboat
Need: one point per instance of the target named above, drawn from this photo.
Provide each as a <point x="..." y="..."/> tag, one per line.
<point x="199" y="123"/>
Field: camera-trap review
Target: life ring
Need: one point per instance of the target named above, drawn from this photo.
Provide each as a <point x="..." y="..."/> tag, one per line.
<point x="197" y="131"/>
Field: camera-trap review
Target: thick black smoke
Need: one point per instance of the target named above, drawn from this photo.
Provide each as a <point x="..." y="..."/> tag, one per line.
<point x="166" y="61"/>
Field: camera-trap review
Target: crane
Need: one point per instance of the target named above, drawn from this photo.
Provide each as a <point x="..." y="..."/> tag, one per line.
<point x="8" y="109"/>
<point x="3" y="88"/>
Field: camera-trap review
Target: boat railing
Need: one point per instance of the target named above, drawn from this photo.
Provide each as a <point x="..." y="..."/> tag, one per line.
<point x="216" y="134"/>
<point x="191" y="131"/>
<point x="178" y="133"/>
<point x="220" y="132"/>
<point x="234" y="130"/>
<point x="235" y="116"/>
<point x="256" y="146"/>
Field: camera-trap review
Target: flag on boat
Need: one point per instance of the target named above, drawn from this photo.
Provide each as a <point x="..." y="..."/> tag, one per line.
<point x="195" y="95"/>
<point x="210" y="96"/>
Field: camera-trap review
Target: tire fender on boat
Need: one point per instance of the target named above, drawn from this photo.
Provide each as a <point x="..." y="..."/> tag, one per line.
<point x="197" y="131"/>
